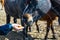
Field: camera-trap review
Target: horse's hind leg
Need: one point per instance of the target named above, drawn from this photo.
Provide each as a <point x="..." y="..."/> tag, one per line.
<point x="52" y="31"/>
<point x="59" y="20"/>
<point x="7" y="18"/>
<point x="37" y="26"/>
<point x="47" y="30"/>
<point x="15" y="20"/>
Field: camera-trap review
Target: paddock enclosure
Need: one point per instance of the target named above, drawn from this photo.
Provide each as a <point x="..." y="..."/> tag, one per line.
<point x="34" y="35"/>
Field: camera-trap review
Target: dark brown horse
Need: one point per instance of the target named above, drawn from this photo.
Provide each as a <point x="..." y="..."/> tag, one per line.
<point x="49" y="18"/>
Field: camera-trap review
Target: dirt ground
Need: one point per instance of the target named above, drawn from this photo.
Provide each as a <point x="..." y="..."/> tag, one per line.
<point x="34" y="35"/>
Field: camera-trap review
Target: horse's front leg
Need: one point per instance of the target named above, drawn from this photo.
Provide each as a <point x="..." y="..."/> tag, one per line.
<point x="15" y="20"/>
<point x="25" y="30"/>
<point x="47" y="30"/>
<point x="37" y="25"/>
<point x="7" y="18"/>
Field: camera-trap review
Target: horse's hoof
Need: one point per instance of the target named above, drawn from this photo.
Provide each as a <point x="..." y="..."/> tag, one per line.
<point x="38" y="32"/>
<point x="26" y="38"/>
<point x="45" y="38"/>
<point x="54" y="37"/>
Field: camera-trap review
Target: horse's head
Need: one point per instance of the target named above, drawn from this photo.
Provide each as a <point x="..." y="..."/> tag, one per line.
<point x="27" y="19"/>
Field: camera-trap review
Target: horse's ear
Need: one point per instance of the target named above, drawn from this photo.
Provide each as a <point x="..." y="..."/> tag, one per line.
<point x="27" y="15"/>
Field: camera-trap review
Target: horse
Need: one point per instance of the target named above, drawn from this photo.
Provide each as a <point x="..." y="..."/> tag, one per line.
<point x="29" y="18"/>
<point x="2" y="3"/>
<point x="15" y="9"/>
<point x="55" y="8"/>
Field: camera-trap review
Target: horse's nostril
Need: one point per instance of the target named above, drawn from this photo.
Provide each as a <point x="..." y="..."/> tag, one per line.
<point x="30" y="21"/>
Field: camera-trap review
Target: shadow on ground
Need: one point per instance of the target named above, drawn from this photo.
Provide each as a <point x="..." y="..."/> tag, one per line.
<point x="19" y="36"/>
<point x="15" y="36"/>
